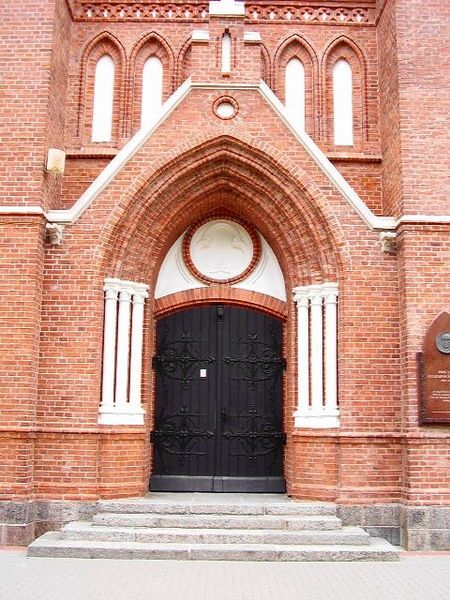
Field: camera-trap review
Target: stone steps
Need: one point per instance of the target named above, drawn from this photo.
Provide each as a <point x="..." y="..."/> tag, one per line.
<point x="148" y="506"/>
<point x="213" y="527"/>
<point x="51" y="545"/>
<point x="292" y="523"/>
<point x="87" y="531"/>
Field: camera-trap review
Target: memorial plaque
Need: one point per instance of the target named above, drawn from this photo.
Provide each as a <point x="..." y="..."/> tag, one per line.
<point x="434" y="372"/>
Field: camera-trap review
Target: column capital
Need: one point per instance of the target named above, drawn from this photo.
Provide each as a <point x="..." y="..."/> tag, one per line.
<point x="128" y="287"/>
<point x="330" y="292"/>
<point x="138" y="298"/>
<point x="316" y="295"/>
<point x="111" y="293"/>
<point x="301" y="295"/>
<point x="125" y="285"/>
<point x="125" y="294"/>
<point x="140" y="293"/>
<point x="110" y="285"/>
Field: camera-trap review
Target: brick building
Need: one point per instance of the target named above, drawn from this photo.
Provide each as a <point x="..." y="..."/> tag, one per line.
<point x="221" y="221"/>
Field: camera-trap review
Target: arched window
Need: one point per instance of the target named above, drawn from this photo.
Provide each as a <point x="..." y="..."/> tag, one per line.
<point x="152" y="89"/>
<point x="226" y="53"/>
<point x="102" y="114"/>
<point x="295" y="91"/>
<point x="342" y="103"/>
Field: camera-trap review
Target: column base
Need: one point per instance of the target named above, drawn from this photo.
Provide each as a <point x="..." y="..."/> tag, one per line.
<point x="317" y="420"/>
<point x="111" y="416"/>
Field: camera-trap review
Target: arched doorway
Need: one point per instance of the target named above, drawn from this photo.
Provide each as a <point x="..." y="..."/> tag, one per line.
<point x="218" y="409"/>
<point x="228" y="179"/>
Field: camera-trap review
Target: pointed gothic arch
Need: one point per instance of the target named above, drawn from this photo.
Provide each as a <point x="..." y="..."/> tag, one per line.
<point x="104" y="44"/>
<point x="297" y="47"/>
<point x="343" y="48"/>
<point x="151" y="45"/>
<point x="266" y="67"/>
<point x="184" y="61"/>
<point x="272" y="190"/>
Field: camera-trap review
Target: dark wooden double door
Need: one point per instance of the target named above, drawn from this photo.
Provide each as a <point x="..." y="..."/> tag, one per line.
<point x="218" y="421"/>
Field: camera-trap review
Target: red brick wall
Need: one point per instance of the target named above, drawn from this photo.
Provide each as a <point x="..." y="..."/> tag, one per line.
<point x="252" y="167"/>
<point x="423" y="47"/>
<point x="389" y="110"/>
<point x="21" y="265"/>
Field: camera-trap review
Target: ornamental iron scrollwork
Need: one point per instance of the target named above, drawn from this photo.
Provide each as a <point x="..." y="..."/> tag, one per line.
<point x="179" y="359"/>
<point x="259" y="436"/>
<point x="178" y="435"/>
<point x="257" y="361"/>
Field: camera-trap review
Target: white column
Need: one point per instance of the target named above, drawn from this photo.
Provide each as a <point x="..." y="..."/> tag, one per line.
<point x="316" y="350"/>
<point x="109" y="346"/>
<point x="302" y="301"/>
<point x="123" y="349"/>
<point x="330" y="303"/>
<point x="122" y="372"/>
<point x="316" y="304"/>
<point x="137" y="323"/>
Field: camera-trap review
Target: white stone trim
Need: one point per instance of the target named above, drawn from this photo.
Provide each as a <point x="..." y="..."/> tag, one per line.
<point x="266" y="278"/>
<point x="252" y="37"/>
<point x="317" y="356"/>
<point x="122" y="370"/>
<point x="22" y="210"/>
<point x="199" y="35"/>
<point x="302" y="300"/>
<point x="374" y="222"/>
<point x="333" y="175"/>
<point x="121" y="159"/>
<point x="226" y="8"/>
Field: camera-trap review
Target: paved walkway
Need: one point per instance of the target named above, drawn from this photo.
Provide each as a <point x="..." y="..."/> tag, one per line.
<point x="415" y="577"/>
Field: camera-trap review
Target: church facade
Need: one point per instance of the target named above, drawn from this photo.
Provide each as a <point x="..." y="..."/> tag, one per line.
<point x="225" y="257"/>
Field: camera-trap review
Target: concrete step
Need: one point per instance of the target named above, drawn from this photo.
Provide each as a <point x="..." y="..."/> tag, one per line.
<point x="80" y="530"/>
<point x="52" y="545"/>
<point x="155" y="506"/>
<point x="292" y="523"/>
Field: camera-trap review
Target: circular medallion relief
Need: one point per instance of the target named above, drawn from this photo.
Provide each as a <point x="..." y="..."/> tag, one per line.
<point x="221" y="250"/>
<point x="443" y="342"/>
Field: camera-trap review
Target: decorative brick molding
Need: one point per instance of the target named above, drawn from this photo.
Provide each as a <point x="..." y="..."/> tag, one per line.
<point x="358" y="13"/>
<point x="224" y="100"/>
<point x="317" y="356"/>
<point x="226" y="295"/>
<point x="122" y="367"/>
<point x="311" y="13"/>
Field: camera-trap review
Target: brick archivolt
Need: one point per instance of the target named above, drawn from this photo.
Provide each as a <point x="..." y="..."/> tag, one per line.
<point x="224" y="174"/>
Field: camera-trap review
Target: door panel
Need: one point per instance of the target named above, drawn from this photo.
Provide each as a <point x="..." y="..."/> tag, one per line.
<point x="218" y="423"/>
<point x="184" y="436"/>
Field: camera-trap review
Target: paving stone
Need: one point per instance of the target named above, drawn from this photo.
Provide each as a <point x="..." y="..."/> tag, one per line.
<point x="413" y="577"/>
